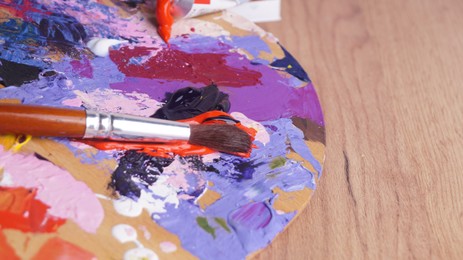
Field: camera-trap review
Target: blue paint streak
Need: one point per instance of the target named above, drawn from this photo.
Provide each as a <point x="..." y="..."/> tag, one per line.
<point x="252" y="44"/>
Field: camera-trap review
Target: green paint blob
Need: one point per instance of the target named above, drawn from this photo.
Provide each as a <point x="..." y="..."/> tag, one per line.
<point x="202" y="222"/>
<point x="222" y="223"/>
<point x="277" y="162"/>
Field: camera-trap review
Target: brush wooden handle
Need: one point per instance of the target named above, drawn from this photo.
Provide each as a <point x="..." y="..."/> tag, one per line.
<point x="41" y="121"/>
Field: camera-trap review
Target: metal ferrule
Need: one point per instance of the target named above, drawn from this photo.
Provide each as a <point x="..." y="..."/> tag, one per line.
<point x="132" y="128"/>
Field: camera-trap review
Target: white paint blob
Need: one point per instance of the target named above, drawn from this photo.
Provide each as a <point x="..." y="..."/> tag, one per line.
<point x="261" y="135"/>
<point x="124" y="233"/>
<point x="6" y="180"/>
<point x="168" y="247"/>
<point x="154" y="201"/>
<point x="140" y="253"/>
<point x="101" y="196"/>
<point x="127" y="207"/>
<point x="100" y="46"/>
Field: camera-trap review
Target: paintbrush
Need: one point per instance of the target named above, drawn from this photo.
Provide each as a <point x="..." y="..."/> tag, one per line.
<point x="72" y="123"/>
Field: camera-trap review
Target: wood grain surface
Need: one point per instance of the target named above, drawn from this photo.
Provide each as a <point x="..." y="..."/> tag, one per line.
<point x="390" y="78"/>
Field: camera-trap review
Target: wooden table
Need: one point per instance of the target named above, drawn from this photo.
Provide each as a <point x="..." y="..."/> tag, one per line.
<point x="389" y="75"/>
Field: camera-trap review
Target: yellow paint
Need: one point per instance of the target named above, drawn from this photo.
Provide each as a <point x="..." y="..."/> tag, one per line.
<point x="10" y="101"/>
<point x="208" y="198"/>
<point x="18" y="144"/>
<point x="13" y="142"/>
<point x="291" y="201"/>
<point x="7" y="141"/>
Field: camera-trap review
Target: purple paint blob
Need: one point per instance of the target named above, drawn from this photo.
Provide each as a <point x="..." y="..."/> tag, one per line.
<point x="250" y="216"/>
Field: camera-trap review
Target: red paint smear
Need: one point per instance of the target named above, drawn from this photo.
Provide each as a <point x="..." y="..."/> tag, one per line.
<point x="83" y="67"/>
<point x="20" y="210"/>
<point x="56" y="248"/>
<point x="170" y="149"/>
<point x="6" y="251"/>
<point x="22" y="10"/>
<point x="205" y="2"/>
<point x="172" y="64"/>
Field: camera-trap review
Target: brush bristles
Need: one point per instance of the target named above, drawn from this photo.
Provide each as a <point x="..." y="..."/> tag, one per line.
<point x="223" y="138"/>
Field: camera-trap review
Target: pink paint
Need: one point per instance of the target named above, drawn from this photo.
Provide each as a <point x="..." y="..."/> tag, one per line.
<point x="145" y="231"/>
<point x="57" y="188"/>
<point x="75" y="102"/>
<point x="176" y="172"/>
<point x="116" y="101"/>
<point x="168" y="247"/>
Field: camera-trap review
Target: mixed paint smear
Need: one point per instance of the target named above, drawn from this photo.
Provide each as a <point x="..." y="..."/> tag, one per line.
<point x="65" y="197"/>
<point x="21" y="210"/>
<point x="218" y="205"/>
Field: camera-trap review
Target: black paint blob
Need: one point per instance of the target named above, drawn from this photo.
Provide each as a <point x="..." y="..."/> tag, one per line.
<point x="146" y="170"/>
<point x="133" y="164"/>
<point x="189" y="102"/>
<point x="16" y="74"/>
<point x="62" y="28"/>
<point x="133" y="3"/>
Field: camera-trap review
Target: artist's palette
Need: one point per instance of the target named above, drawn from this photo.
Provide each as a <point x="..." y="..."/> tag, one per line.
<point x="67" y="198"/>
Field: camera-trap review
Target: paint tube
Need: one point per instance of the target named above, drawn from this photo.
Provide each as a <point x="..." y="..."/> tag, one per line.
<point x="193" y="8"/>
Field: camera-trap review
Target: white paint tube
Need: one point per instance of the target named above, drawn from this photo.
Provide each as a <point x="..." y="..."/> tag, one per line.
<point x="193" y="8"/>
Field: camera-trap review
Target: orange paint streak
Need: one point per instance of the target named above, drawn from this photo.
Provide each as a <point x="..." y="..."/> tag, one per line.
<point x="6" y="251"/>
<point x="56" y="248"/>
<point x="19" y="209"/>
<point x="170" y="149"/>
<point x="164" y="18"/>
